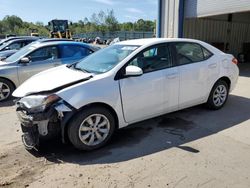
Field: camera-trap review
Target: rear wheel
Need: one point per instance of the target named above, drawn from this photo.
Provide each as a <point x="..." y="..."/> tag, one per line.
<point x="6" y="89"/>
<point x="218" y="95"/>
<point x="91" y="128"/>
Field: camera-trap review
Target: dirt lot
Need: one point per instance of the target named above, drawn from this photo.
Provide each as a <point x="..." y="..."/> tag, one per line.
<point x="191" y="148"/>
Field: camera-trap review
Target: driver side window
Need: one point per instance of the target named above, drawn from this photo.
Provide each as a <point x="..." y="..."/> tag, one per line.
<point x="45" y="53"/>
<point x="153" y="59"/>
<point x="15" y="46"/>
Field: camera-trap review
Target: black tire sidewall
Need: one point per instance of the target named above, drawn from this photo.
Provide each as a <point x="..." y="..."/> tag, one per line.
<point x="74" y="125"/>
<point x="210" y="102"/>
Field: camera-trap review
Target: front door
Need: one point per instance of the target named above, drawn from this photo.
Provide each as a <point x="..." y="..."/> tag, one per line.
<point x="40" y="59"/>
<point x="148" y="95"/>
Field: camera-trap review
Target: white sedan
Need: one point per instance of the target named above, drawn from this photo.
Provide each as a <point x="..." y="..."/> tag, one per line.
<point x="127" y="82"/>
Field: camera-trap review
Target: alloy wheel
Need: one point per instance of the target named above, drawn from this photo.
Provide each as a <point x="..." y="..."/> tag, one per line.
<point x="220" y="95"/>
<point x="94" y="129"/>
<point x="4" y="91"/>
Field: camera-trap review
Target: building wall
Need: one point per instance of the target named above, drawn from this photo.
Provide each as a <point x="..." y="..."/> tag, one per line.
<point x="204" y="8"/>
<point x="169" y="18"/>
<point x="218" y="31"/>
<point x="242" y="17"/>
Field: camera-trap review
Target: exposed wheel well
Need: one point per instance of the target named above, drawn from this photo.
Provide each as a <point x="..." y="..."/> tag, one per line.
<point x="9" y="81"/>
<point x="227" y="80"/>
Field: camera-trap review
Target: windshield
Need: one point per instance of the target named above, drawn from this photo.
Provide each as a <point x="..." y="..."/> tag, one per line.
<point x="4" y="45"/>
<point x="16" y="56"/>
<point x="4" y="41"/>
<point x="60" y="25"/>
<point x="105" y="59"/>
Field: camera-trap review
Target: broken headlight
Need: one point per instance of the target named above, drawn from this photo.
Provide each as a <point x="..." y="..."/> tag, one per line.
<point x="37" y="103"/>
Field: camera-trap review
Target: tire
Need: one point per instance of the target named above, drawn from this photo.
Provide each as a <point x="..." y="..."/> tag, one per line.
<point x="85" y="137"/>
<point x="218" y="95"/>
<point x="6" y="89"/>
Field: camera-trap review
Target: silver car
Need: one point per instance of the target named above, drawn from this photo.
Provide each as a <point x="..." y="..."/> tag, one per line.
<point x="36" y="57"/>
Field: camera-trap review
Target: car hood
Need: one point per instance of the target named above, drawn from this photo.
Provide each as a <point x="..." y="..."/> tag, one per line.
<point x="4" y="64"/>
<point x="52" y="79"/>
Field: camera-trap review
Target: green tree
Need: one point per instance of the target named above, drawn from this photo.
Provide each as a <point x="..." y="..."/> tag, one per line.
<point x="127" y="26"/>
<point x="111" y="21"/>
<point x="12" y="23"/>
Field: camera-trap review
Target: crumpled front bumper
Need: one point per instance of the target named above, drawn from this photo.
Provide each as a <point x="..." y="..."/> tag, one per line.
<point x="28" y="119"/>
<point x="43" y="125"/>
<point x="38" y="125"/>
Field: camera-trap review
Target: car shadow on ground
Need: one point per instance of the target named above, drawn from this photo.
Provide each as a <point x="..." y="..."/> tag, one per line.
<point x="155" y="135"/>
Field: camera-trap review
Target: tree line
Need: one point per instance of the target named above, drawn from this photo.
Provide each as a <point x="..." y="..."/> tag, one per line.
<point x="101" y="22"/>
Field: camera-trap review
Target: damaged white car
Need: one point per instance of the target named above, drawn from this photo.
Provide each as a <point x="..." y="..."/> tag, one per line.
<point x="127" y="82"/>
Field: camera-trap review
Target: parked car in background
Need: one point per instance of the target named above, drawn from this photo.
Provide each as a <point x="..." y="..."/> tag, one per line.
<point x="127" y="82"/>
<point x="5" y="54"/>
<point x="36" y="57"/>
<point x="4" y="41"/>
<point x="17" y="44"/>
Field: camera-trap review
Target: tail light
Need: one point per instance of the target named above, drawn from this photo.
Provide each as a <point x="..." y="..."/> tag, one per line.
<point x="235" y="61"/>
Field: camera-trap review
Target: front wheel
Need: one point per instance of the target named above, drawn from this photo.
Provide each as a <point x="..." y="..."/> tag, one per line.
<point x="218" y="95"/>
<point x="91" y="128"/>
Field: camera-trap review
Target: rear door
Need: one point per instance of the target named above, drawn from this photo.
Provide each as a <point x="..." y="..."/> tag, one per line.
<point x="40" y="59"/>
<point x="70" y="53"/>
<point x="193" y="73"/>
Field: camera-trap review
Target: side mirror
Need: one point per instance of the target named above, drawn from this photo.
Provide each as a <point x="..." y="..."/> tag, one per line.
<point x="132" y="70"/>
<point x="3" y="58"/>
<point x="7" y="48"/>
<point x="25" y="60"/>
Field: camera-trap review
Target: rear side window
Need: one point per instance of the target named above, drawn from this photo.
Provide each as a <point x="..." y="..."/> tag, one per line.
<point x="27" y="42"/>
<point x="188" y="53"/>
<point x="207" y="54"/>
<point x="73" y="51"/>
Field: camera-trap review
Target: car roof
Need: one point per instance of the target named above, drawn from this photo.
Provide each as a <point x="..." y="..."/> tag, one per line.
<point x="22" y="39"/>
<point x="48" y="42"/>
<point x="15" y="38"/>
<point x="52" y="39"/>
<point x="151" y="41"/>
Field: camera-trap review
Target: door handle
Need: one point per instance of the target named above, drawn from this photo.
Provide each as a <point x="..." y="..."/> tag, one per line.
<point x="213" y="65"/>
<point x="172" y="75"/>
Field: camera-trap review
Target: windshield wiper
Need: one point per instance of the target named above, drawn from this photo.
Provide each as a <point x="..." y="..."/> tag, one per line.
<point x="76" y="68"/>
<point x="70" y="65"/>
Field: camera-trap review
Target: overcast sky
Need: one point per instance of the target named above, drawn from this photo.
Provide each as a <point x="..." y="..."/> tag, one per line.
<point x="74" y="10"/>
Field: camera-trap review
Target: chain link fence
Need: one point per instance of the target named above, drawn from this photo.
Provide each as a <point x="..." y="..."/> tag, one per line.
<point x="123" y="35"/>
